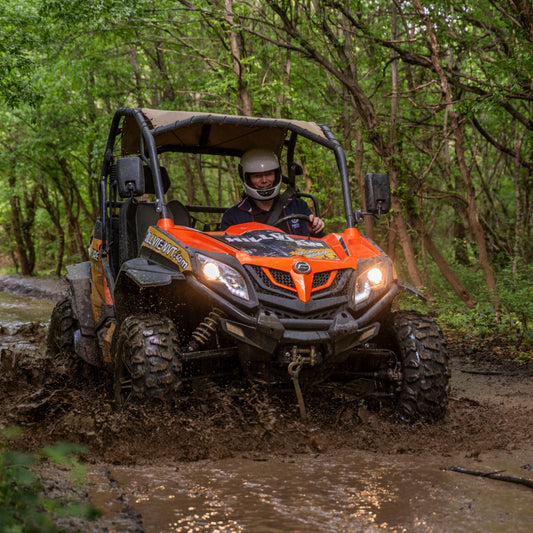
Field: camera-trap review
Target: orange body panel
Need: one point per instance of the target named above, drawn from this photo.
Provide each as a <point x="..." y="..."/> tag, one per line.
<point x="357" y="245"/>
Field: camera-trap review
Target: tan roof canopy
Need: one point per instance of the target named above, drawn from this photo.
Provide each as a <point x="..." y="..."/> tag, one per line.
<point x="211" y="131"/>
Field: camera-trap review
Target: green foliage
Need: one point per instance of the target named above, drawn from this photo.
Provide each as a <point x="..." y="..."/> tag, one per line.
<point x="67" y="65"/>
<point x="18" y="53"/>
<point x="514" y="321"/>
<point x="77" y="12"/>
<point x="515" y="290"/>
<point x="23" y="507"/>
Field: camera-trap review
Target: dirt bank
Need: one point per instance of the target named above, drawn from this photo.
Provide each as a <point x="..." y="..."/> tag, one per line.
<point x="49" y="289"/>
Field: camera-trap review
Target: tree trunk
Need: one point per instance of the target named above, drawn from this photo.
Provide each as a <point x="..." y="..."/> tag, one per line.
<point x="22" y="223"/>
<point x="30" y="199"/>
<point x="132" y="54"/>
<point x="53" y="212"/>
<point x="360" y="180"/>
<point x="518" y="248"/>
<point x="460" y="246"/>
<point x="244" y="100"/>
<point x="400" y="226"/>
<point x="286" y="65"/>
<point x="16" y="225"/>
<point x="448" y="273"/>
<point x="201" y="176"/>
<point x="473" y="218"/>
<point x="189" y="182"/>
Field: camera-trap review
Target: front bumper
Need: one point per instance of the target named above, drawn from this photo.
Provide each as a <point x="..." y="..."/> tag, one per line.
<point x="340" y="334"/>
<point x="265" y="330"/>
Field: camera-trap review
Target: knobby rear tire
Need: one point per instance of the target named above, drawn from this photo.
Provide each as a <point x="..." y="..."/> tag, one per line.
<point x="63" y="324"/>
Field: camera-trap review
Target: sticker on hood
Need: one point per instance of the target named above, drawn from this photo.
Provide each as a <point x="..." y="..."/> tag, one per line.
<point x="263" y="243"/>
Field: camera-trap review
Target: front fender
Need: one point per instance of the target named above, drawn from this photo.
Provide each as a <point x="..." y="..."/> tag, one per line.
<point x="143" y="287"/>
<point x="407" y="287"/>
<point x="146" y="274"/>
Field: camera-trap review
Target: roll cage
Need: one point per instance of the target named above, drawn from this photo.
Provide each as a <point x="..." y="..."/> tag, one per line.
<point x="148" y="133"/>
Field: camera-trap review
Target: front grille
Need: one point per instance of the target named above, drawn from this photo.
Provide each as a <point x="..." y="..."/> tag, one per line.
<point x="332" y="297"/>
<point x="320" y="279"/>
<point x="281" y="277"/>
<point x="261" y="274"/>
<point x="264" y="285"/>
<point x="340" y="284"/>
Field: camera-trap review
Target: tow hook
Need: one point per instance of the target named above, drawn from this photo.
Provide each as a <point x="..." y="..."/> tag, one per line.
<point x="294" y="372"/>
<point x="295" y="366"/>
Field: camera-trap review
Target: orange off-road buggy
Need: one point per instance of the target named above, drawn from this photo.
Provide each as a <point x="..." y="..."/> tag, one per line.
<point x="167" y="298"/>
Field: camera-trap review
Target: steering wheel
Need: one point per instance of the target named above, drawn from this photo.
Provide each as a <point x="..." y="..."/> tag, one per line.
<point x="288" y="217"/>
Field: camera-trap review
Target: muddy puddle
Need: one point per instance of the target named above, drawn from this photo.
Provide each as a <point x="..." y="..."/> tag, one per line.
<point x="345" y="491"/>
<point x="18" y="309"/>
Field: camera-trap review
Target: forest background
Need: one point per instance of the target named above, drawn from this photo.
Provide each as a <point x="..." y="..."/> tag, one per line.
<point x="438" y="95"/>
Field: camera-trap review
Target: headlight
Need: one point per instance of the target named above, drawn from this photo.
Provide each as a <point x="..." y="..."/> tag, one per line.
<point x="373" y="278"/>
<point x="219" y="272"/>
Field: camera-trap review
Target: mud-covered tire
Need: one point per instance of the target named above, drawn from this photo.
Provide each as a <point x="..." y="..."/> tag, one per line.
<point x="148" y="363"/>
<point x="63" y="324"/>
<point x="423" y="355"/>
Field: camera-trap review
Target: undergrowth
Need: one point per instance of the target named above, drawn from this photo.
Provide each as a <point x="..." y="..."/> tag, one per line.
<point x="514" y="320"/>
<point x="23" y="505"/>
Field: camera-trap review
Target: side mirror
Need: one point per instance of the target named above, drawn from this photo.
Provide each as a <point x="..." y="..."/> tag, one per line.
<point x="130" y="177"/>
<point x="377" y="194"/>
<point x="296" y="169"/>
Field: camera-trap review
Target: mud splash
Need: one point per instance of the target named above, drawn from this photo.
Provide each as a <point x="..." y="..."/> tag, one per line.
<point x="61" y="400"/>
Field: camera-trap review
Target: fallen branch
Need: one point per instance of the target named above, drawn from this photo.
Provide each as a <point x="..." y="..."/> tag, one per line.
<point x="484" y="372"/>
<point x="493" y="475"/>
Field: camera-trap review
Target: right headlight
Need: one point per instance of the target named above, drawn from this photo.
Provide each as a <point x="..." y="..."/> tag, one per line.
<point x="371" y="279"/>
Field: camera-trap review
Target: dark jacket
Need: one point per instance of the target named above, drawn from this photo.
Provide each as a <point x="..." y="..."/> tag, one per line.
<point x="242" y="213"/>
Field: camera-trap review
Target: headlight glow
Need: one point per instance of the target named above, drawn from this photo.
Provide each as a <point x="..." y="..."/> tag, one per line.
<point x="219" y="272"/>
<point x="211" y="271"/>
<point x="373" y="278"/>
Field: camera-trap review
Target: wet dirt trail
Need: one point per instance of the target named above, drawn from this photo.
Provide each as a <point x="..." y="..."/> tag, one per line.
<point x="236" y="458"/>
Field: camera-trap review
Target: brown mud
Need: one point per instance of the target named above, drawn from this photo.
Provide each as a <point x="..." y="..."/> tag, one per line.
<point x="490" y="408"/>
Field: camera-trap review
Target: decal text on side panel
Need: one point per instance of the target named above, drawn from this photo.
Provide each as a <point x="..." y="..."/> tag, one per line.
<point x="162" y="244"/>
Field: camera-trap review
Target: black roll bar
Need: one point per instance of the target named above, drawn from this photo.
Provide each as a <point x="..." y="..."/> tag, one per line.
<point x="148" y="135"/>
<point x="340" y="156"/>
<point x="151" y="149"/>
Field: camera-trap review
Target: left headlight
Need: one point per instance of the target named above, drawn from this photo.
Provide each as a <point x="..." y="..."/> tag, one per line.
<point x="219" y="272"/>
<point x="369" y="280"/>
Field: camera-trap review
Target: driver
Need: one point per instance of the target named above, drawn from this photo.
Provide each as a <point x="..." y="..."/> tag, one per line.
<point x="261" y="176"/>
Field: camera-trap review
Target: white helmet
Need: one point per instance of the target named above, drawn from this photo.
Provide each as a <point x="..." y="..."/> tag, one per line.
<point x="260" y="160"/>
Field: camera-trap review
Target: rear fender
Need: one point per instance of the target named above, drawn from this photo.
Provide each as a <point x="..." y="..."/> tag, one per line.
<point x="85" y="341"/>
<point x="79" y="278"/>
